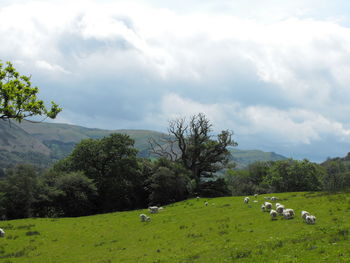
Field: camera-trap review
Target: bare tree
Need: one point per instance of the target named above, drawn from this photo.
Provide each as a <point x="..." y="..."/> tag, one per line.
<point x="192" y="144"/>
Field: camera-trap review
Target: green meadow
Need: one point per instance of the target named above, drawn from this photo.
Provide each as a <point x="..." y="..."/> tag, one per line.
<point x="227" y="230"/>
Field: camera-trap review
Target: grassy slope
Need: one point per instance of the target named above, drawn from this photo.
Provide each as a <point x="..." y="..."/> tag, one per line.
<point x="245" y="157"/>
<point x="225" y="231"/>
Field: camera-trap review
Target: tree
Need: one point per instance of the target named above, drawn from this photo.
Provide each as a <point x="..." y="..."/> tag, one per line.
<point x="112" y="164"/>
<point x="18" y="98"/>
<point x="20" y="190"/>
<point x="76" y="194"/>
<point x="169" y="182"/>
<point x="193" y="145"/>
<point x="292" y="175"/>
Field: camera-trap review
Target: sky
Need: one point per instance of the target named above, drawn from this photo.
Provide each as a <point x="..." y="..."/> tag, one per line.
<point x="276" y="73"/>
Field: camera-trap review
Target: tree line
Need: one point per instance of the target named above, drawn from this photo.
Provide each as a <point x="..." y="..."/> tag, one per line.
<point x="105" y="175"/>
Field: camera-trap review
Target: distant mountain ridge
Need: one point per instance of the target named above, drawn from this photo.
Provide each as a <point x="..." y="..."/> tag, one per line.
<point x="44" y="143"/>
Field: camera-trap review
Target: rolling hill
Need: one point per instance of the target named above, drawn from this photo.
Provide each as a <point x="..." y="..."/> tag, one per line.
<point x="227" y="230"/>
<point x="44" y="143"/>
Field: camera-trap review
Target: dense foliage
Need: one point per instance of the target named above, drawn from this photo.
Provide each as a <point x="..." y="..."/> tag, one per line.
<point x="105" y="175"/>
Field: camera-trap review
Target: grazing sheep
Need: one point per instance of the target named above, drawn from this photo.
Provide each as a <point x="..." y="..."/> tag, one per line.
<point x="263" y="208"/>
<point x="144" y="218"/>
<point x="280" y="209"/>
<point x="268" y="206"/>
<point x="288" y="213"/>
<point x="273" y="214"/>
<point x="206" y="203"/>
<point x="160" y="208"/>
<point x="2" y="233"/>
<point x="304" y="214"/>
<point x="273" y="199"/>
<point x="256" y="195"/>
<point x="277" y="204"/>
<point x="153" y="209"/>
<point x="310" y="219"/>
<point x="246" y="200"/>
<point x="197" y="198"/>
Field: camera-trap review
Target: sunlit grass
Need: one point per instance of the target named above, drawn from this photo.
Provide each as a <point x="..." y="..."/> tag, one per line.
<point x="227" y="230"/>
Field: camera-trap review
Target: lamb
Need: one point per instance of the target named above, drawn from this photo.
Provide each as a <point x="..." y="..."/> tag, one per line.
<point x="153" y="209"/>
<point x="304" y="214"/>
<point x="144" y="218"/>
<point x="246" y="200"/>
<point x="280" y="209"/>
<point x="263" y="208"/>
<point x="288" y="213"/>
<point x="206" y="203"/>
<point x="268" y="206"/>
<point x="310" y="219"/>
<point x="273" y="214"/>
<point x="2" y="233"/>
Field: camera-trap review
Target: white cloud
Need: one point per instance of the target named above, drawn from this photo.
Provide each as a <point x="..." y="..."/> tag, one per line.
<point x="284" y="77"/>
<point x="50" y="67"/>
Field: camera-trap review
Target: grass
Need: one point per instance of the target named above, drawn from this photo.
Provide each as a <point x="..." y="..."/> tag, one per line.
<point x="227" y="230"/>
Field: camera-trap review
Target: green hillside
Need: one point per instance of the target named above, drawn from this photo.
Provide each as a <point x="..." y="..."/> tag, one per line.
<point x="227" y="230"/>
<point x="43" y="143"/>
<point x="245" y="157"/>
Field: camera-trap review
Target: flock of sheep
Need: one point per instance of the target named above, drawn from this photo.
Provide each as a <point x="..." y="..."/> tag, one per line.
<point x="152" y="210"/>
<point x="287" y="213"/>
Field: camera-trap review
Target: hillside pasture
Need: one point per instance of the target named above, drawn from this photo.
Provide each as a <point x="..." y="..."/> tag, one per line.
<point x="227" y="230"/>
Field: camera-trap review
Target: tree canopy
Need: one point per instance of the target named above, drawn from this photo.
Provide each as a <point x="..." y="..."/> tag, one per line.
<point x="193" y="144"/>
<point x="18" y="99"/>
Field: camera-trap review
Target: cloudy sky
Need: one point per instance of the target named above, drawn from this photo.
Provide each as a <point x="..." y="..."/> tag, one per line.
<point x="275" y="72"/>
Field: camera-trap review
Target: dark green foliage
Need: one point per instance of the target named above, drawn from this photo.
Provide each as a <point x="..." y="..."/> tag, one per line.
<point x="280" y="176"/>
<point x="291" y="176"/>
<point x="20" y="190"/>
<point x="215" y="188"/>
<point x="112" y="164"/>
<point x="72" y="194"/>
<point x="338" y="174"/>
<point x="250" y="181"/>
<point x="169" y="182"/>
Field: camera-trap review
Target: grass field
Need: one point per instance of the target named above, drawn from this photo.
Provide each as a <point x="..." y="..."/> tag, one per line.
<point x="227" y="230"/>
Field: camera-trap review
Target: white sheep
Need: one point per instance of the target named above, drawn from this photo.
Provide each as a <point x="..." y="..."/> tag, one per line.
<point x="206" y="203"/>
<point x="310" y="219"/>
<point x="2" y="233"/>
<point x="263" y="208"/>
<point x="160" y="208"/>
<point x="144" y="218"/>
<point x="246" y="200"/>
<point x="304" y="214"/>
<point x="153" y="209"/>
<point x="197" y="198"/>
<point x="273" y="199"/>
<point x="280" y="209"/>
<point x="277" y="204"/>
<point x="288" y="213"/>
<point x="268" y="206"/>
<point x="256" y="195"/>
<point x="273" y="214"/>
